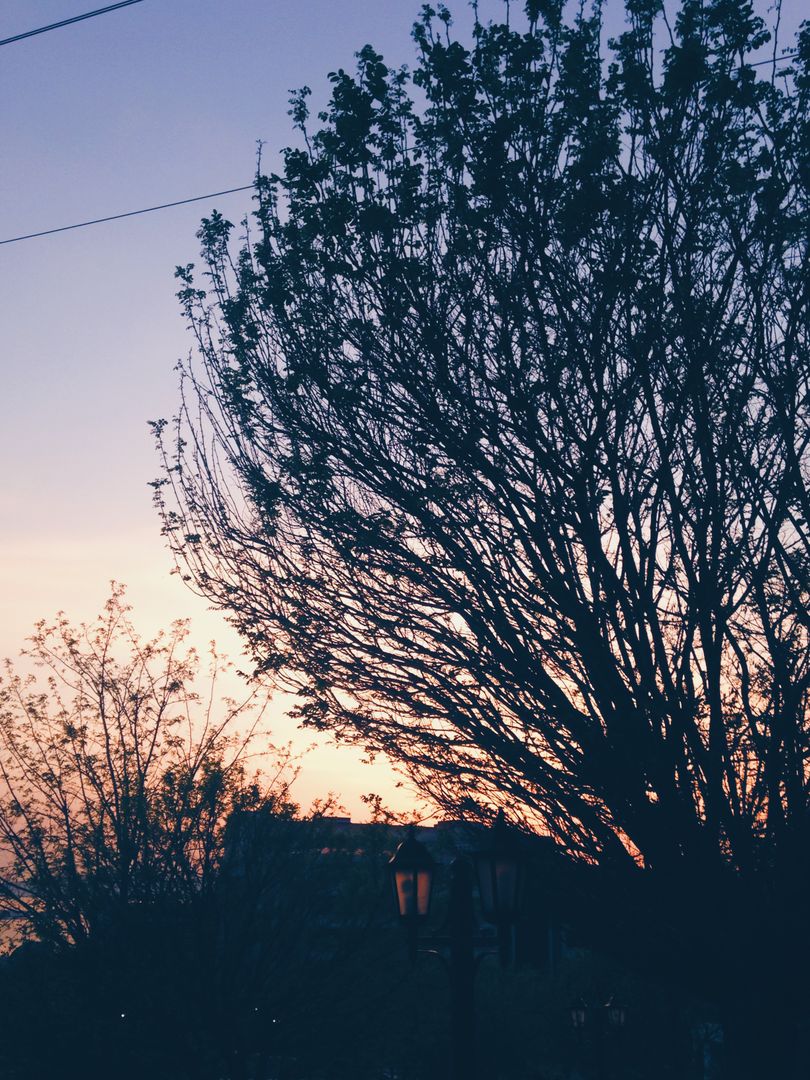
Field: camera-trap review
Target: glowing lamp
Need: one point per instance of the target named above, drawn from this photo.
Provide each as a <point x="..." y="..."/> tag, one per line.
<point x="412" y="869"/>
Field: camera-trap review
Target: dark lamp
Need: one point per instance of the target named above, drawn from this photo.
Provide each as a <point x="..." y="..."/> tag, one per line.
<point x="412" y="877"/>
<point x="499" y="868"/>
<point x="579" y="1014"/>
<point x="616" y="1013"/>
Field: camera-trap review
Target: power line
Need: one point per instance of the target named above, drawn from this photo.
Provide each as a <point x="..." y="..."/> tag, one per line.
<point x="196" y="198"/>
<point x="68" y="22"/>
<point x="129" y="213"/>
<point x="775" y="59"/>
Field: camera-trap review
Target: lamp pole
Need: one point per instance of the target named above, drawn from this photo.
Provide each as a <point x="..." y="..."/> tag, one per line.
<point x="499" y="868"/>
<point x="598" y="1030"/>
<point x="461" y="934"/>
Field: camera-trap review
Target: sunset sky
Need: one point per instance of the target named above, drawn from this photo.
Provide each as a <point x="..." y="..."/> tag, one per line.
<point x="159" y="101"/>
<point x="156" y="102"/>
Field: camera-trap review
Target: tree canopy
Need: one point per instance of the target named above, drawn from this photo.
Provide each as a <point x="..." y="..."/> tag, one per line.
<point x="495" y="447"/>
<point x="496" y="441"/>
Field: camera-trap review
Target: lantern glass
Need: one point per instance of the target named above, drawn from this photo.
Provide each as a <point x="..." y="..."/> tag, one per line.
<point x="424" y="884"/>
<point x="579" y="1014"/>
<point x="617" y="1015"/>
<point x="412" y="876"/>
<point x="413" y="888"/>
<point x="500" y="871"/>
<point x="506" y="883"/>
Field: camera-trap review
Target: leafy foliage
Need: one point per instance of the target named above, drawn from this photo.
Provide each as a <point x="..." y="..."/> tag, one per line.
<point x="118" y="778"/>
<point x="497" y="449"/>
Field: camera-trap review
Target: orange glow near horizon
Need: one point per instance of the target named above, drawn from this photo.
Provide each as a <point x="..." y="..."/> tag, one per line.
<point x="66" y="573"/>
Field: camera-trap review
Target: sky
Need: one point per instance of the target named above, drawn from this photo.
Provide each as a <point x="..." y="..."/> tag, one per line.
<point x="156" y="102"/>
<point x="159" y="101"/>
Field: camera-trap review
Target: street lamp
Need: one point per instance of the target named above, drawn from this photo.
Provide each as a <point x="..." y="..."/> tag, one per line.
<point x="598" y="1030"/>
<point x="412" y="869"/>
<point x="499" y="868"/>
<point x="616" y="1013"/>
<point x="578" y="1012"/>
<point x="499" y="871"/>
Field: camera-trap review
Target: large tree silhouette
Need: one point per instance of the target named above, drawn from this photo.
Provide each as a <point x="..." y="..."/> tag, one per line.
<point x="496" y="445"/>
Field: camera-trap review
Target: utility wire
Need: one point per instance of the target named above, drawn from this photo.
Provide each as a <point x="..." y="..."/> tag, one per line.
<point x="68" y="22"/>
<point x="789" y="55"/>
<point x="130" y="213"/>
<point x="196" y="198"/>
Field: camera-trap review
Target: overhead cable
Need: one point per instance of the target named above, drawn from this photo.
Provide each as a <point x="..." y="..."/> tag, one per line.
<point x="789" y="55"/>
<point x="129" y="213"/>
<point x="68" y="22"/>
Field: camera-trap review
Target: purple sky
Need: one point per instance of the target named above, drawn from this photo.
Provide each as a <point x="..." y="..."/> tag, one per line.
<point x="159" y="101"/>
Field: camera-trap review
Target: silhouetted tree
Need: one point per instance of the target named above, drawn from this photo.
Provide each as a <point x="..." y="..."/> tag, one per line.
<point x="294" y="937"/>
<point x="118" y="775"/>
<point x="497" y="450"/>
<point x="178" y="916"/>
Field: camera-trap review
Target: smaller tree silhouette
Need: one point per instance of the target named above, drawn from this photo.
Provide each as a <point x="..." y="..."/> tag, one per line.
<point x="118" y="775"/>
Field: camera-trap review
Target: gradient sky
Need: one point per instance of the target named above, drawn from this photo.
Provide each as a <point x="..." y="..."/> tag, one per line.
<point x="155" y="102"/>
<point x="159" y="101"/>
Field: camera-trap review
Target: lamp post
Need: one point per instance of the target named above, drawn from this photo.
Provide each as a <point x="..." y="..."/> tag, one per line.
<point x="499" y="868"/>
<point x="615" y="1013"/>
<point x="578" y="1014"/>
<point x="597" y="1029"/>
<point x="412" y="869"/>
